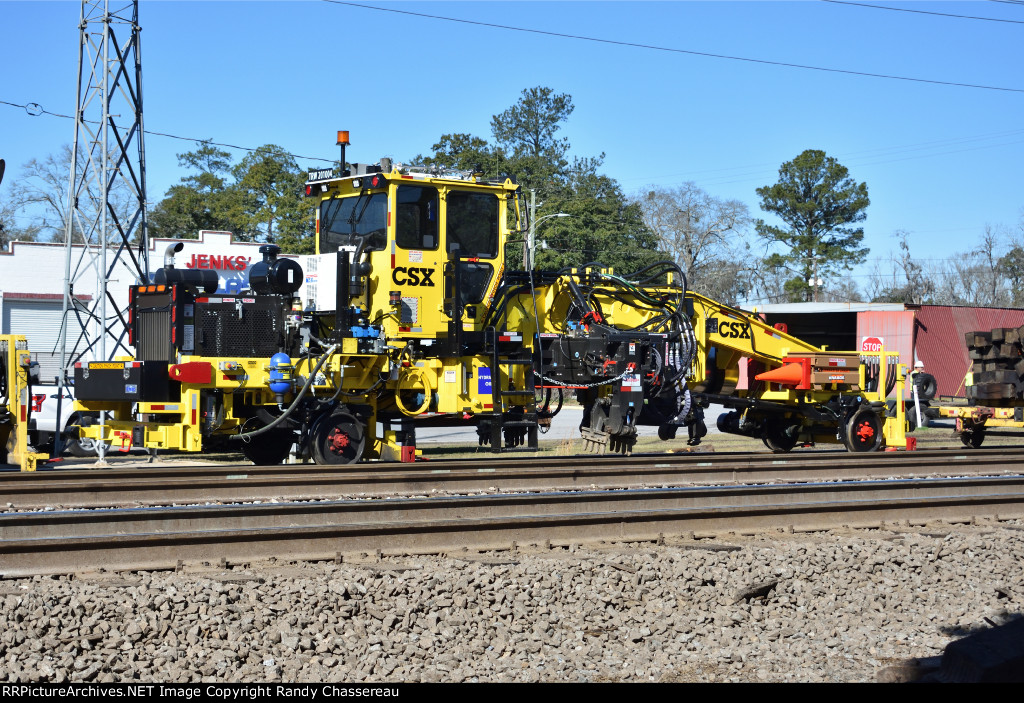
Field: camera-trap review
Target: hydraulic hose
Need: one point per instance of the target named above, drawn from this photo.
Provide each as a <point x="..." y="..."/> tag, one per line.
<point x="578" y="295"/>
<point x="413" y="373"/>
<point x="294" y="404"/>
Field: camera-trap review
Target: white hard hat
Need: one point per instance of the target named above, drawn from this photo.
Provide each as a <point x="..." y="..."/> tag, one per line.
<point x="918" y="364"/>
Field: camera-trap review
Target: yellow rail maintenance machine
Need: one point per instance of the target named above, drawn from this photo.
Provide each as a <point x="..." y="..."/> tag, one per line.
<point x="411" y="316"/>
<point x="18" y="374"/>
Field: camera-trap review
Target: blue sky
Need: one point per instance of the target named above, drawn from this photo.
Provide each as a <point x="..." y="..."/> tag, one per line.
<point x="940" y="161"/>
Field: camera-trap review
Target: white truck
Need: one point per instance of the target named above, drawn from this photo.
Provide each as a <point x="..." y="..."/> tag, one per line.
<point x="44" y="413"/>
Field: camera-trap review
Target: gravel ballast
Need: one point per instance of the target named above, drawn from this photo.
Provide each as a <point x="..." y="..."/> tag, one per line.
<point x="837" y="606"/>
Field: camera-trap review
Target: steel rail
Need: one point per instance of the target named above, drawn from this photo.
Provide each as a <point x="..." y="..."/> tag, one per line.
<point x="166" y="486"/>
<point x="152" y="538"/>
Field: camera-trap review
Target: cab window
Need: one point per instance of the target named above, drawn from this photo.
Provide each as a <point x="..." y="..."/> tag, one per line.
<point x="475" y="278"/>
<point x="344" y="221"/>
<point x="472" y="223"/>
<point x="416" y="221"/>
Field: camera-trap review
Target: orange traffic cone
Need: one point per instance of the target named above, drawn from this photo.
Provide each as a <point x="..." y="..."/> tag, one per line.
<point x="788" y="375"/>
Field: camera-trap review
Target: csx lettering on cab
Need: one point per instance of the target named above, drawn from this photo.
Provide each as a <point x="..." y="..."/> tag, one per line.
<point x="734" y="330"/>
<point x="412" y="276"/>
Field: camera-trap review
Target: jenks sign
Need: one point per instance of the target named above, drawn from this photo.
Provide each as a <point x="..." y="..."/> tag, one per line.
<point x="218" y="263"/>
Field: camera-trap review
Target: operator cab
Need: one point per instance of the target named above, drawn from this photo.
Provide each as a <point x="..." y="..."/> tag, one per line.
<point x="400" y="227"/>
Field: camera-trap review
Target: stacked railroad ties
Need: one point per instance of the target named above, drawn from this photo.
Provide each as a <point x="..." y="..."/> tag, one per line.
<point x="997" y="365"/>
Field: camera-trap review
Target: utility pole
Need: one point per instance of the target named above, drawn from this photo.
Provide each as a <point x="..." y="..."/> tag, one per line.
<point x="105" y="233"/>
<point x="531" y="242"/>
<point x="531" y="238"/>
<point x="816" y="281"/>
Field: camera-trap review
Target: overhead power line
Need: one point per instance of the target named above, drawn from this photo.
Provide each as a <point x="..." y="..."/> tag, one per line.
<point x="35" y="109"/>
<point x="652" y="47"/>
<point x="923" y="12"/>
<point x="880" y="155"/>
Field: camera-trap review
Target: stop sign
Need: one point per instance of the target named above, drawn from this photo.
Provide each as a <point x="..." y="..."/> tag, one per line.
<point x="871" y="344"/>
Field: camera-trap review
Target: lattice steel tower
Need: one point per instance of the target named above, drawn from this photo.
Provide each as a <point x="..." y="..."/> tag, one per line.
<point x="106" y="226"/>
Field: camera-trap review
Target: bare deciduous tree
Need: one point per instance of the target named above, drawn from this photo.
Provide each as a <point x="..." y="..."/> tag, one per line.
<point x="41" y="193"/>
<point x="906" y="282"/>
<point x="1012" y="264"/>
<point x="769" y="282"/>
<point x="705" y="235"/>
<point x="10" y="230"/>
<point x="841" y="290"/>
<point x="983" y="276"/>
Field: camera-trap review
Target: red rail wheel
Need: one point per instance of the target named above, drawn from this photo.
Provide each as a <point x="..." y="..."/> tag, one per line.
<point x="864" y="431"/>
<point x="338" y="439"/>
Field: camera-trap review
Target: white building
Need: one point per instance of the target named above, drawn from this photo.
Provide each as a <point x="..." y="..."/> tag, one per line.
<point x="32" y="285"/>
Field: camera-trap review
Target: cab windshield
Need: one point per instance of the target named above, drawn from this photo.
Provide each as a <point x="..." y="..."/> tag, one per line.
<point x="473" y="223"/>
<point x="344" y="221"/>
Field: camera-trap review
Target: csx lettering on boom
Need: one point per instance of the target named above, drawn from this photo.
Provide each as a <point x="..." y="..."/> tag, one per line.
<point x="734" y="330"/>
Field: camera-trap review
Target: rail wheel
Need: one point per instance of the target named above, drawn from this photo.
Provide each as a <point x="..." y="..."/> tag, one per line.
<point x="973" y="437"/>
<point x="780" y="443"/>
<point x="864" y="431"/>
<point x="268" y="448"/>
<point x="339" y="439"/>
<point x="777" y="438"/>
